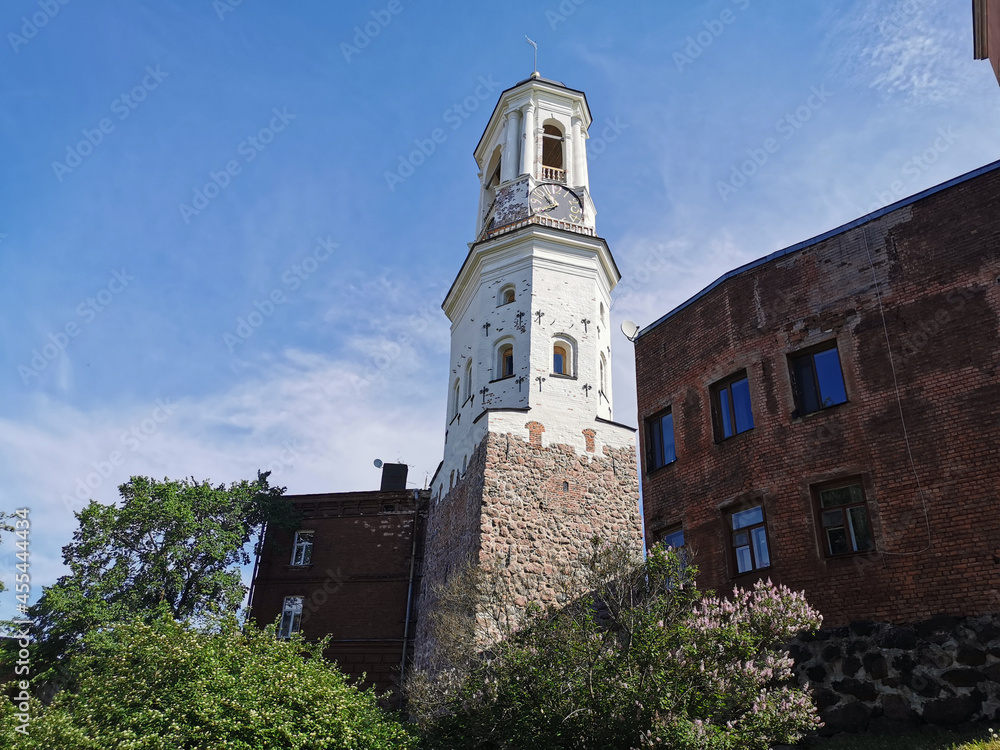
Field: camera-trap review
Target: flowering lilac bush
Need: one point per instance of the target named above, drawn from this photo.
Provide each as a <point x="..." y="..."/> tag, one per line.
<point x="640" y="659"/>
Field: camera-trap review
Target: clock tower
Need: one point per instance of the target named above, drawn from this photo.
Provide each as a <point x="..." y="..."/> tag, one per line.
<point x="534" y="465"/>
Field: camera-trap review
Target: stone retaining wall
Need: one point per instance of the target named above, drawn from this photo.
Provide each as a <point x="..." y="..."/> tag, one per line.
<point x="872" y="676"/>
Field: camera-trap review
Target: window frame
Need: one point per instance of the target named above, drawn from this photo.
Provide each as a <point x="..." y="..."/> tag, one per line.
<point x="505" y="353"/>
<point x="305" y="547"/>
<point x="291" y="618"/>
<point x="731" y="535"/>
<point x="815" y="491"/>
<point x="568" y="345"/>
<point x="655" y="463"/>
<point x="502" y="295"/>
<point x="720" y="410"/>
<point x="797" y="386"/>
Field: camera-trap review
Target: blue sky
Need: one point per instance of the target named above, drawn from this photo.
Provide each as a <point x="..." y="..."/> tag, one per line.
<point x="121" y="344"/>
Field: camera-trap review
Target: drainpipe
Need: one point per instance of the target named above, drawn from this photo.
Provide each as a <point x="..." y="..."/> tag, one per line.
<point x="409" y="592"/>
<point x="256" y="567"/>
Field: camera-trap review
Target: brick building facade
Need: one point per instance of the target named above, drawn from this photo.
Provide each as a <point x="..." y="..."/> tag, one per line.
<point x="352" y="572"/>
<point x="829" y="416"/>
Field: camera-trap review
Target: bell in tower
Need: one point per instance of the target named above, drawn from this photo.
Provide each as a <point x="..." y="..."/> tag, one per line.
<point x="534" y="464"/>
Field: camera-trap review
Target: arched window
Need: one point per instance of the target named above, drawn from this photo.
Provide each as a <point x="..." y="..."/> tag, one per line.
<point x="552" y="154"/>
<point x="603" y="378"/>
<point x="505" y="361"/>
<point x="560" y="360"/>
<point x="506" y="295"/>
<point x="456" y="398"/>
<point x="563" y="359"/>
<point x="468" y="378"/>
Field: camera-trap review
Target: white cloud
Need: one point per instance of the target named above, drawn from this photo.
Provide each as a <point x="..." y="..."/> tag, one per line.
<point x="914" y="51"/>
<point x="316" y="423"/>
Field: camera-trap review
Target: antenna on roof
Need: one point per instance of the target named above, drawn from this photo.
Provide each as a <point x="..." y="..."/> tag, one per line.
<point x="534" y="69"/>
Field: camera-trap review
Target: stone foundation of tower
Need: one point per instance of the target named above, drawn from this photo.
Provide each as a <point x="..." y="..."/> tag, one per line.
<point x="531" y="509"/>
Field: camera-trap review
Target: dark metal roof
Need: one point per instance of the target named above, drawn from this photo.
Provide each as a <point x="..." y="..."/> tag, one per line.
<point x="821" y="237"/>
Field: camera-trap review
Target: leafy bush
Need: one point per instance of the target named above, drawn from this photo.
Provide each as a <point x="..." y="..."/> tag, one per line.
<point x="638" y="659"/>
<point x="164" y="685"/>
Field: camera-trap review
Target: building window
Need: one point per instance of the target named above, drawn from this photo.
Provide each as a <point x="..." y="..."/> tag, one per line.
<point x="731" y="406"/>
<point x="603" y="381"/>
<point x="505" y="361"/>
<point x="818" y="379"/>
<point x="456" y="398"/>
<point x="302" y="549"/>
<point x="563" y="356"/>
<point x="660" y="440"/>
<point x="749" y="539"/>
<point x="468" y="379"/>
<point x="291" y="617"/>
<point x="673" y="538"/>
<point x="506" y="296"/>
<point x="560" y="360"/>
<point x="552" y="154"/>
<point x="843" y="515"/>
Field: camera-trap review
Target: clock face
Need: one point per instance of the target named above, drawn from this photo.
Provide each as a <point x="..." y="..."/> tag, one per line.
<point x="555" y="201"/>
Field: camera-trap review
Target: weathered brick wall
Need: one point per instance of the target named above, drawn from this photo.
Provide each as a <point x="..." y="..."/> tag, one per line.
<point x="937" y="262"/>
<point x="529" y="508"/>
<point x="355" y="590"/>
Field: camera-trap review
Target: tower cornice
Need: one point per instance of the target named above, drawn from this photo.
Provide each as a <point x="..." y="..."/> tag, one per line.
<point x="530" y="243"/>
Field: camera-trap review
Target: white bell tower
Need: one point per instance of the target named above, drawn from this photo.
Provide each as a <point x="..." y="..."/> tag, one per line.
<point x="534" y="465"/>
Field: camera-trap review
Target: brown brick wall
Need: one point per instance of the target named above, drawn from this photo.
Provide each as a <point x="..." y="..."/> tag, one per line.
<point x="356" y="587"/>
<point x="937" y="262"/>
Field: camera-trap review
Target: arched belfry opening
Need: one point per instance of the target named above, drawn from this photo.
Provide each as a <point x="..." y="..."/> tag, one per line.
<point x="553" y="162"/>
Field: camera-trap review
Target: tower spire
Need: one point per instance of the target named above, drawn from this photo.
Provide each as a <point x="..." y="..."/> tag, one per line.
<point x="534" y="68"/>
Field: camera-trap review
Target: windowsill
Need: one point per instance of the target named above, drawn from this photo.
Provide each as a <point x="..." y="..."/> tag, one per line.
<point x="756" y="571"/>
<point x="849" y="555"/>
<point x="658" y="469"/>
<point x="506" y="303"/>
<point x="505" y="377"/>
<point x="457" y="416"/>
<point x="467" y="400"/>
<point x="797" y="417"/>
<point x="562" y="376"/>
<point x="299" y="567"/>
<point x="720" y="441"/>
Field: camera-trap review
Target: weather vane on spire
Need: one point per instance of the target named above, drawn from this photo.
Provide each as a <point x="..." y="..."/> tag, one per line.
<point x="533" y="44"/>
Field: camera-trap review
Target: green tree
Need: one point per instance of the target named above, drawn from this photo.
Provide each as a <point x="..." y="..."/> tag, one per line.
<point x="4" y="526"/>
<point x="166" y="685"/>
<point x="636" y="657"/>
<point x="170" y="546"/>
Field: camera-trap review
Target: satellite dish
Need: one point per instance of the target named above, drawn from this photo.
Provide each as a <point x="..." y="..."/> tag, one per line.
<point x="378" y="463"/>
<point x="630" y="330"/>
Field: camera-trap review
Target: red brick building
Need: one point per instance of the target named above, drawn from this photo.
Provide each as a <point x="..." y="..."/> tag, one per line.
<point x="829" y="416"/>
<point x="986" y="32"/>
<point x="352" y="571"/>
